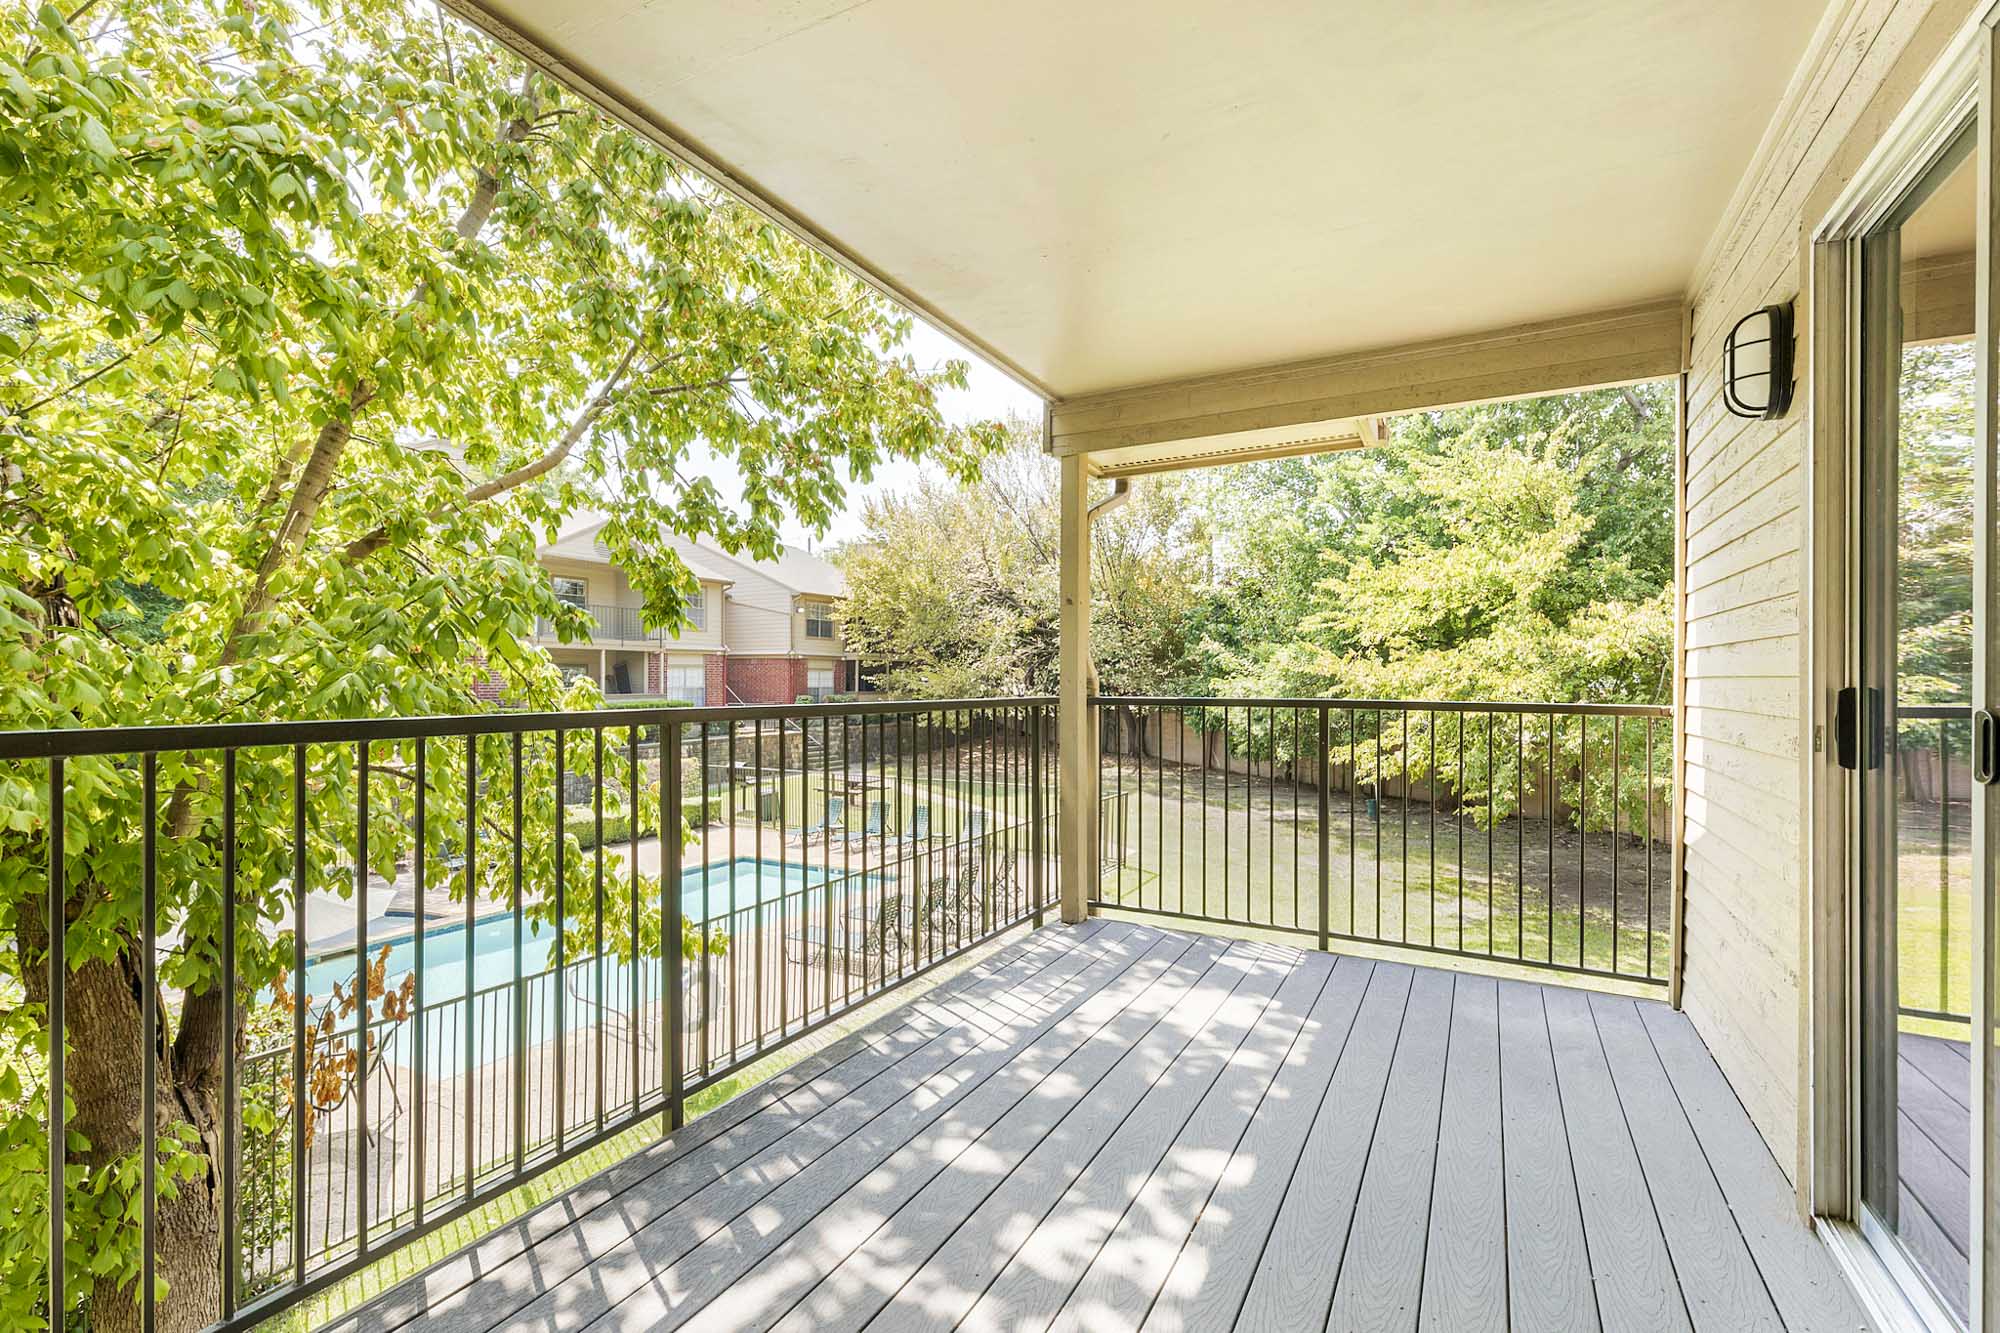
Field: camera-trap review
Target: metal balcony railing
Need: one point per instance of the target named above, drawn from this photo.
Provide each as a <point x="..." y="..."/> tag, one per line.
<point x="1534" y="834"/>
<point x="621" y="624"/>
<point x="518" y="1005"/>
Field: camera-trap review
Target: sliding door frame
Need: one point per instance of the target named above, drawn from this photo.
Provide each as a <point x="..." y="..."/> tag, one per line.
<point x="1963" y="88"/>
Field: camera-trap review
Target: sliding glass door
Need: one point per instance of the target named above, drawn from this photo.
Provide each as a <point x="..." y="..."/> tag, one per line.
<point x="1917" y="626"/>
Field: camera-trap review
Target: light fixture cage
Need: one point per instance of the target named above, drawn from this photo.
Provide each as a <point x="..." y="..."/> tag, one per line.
<point x="1760" y="393"/>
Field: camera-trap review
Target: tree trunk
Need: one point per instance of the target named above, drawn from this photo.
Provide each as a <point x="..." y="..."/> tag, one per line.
<point x="106" y="1031"/>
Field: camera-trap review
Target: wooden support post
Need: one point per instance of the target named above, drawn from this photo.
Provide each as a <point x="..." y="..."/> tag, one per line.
<point x="1074" y="732"/>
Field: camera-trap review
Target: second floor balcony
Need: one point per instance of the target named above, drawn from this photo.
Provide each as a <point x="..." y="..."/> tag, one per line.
<point x="617" y="624"/>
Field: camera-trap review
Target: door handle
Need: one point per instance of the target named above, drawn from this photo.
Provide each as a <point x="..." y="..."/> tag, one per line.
<point x="1847" y="728"/>
<point x="1985" y="747"/>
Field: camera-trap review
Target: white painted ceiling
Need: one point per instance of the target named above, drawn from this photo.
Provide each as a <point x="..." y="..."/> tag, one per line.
<point x="1105" y="194"/>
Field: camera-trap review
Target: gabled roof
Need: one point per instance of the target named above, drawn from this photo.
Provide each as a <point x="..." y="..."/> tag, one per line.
<point x="581" y="540"/>
<point x="800" y="572"/>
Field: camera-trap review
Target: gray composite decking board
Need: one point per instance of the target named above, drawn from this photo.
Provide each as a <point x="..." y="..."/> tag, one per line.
<point x="1801" y="1277"/>
<point x="1140" y="1123"/>
<point x="802" y="1088"/>
<point x="1548" y="1259"/>
<point x="879" y="1262"/>
<point x="1205" y="1287"/>
<point x="726" y="1283"/>
<point x="1946" y="1063"/>
<point x="1292" y="1287"/>
<point x="631" y="1251"/>
<point x="1031" y="1288"/>
<point x="798" y="1141"/>
<point x="1465" y="1259"/>
<point x="1121" y="1283"/>
<point x="1948" y="1270"/>
<point x="1636" y="1286"/>
<point x="1944" y="1190"/>
<point x="1719" y="1281"/>
<point x="1381" y="1279"/>
<point x="1932" y="1110"/>
<point x="947" y="1283"/>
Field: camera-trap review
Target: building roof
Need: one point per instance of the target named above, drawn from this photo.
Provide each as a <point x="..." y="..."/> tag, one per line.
<point x="801" y="572"/>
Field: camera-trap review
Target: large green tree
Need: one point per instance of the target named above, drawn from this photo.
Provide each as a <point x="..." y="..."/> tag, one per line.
<point x="952" y="589"/>
<point x="314" y="318"/>
<point x="1515" y="551"/>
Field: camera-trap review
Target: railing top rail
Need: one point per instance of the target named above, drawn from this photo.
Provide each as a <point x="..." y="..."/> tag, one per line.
<point x="1384" y="705"/>
<point x="1936" y="712"/>
<point x="81" y="742"/>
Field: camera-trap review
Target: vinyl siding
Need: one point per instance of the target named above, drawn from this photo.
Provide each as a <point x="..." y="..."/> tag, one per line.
<point x="1746" y="504"/>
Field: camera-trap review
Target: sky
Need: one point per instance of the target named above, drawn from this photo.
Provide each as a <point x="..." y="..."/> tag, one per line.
<point x="990" y="394"/>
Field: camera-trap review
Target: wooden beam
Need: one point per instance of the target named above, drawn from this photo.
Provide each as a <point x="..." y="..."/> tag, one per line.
<point x="1938" y="296"/>
<point x="1074" y="733"/>
<point x="1622" y="346"/>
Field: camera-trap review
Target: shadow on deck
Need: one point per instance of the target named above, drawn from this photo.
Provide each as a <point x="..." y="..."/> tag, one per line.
<point x="1116" y="1126"/>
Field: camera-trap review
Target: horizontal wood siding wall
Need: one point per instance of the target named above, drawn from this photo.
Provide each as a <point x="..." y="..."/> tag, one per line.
<point x="1748" y="727"/>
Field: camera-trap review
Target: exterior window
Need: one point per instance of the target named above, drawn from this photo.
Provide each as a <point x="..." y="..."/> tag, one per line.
<point x="697" y="609"/>
<point x="819" y="620"/>
<point x="689" y="684"/>
<point x="569" y="590"/>
<point x="819" y="683"/>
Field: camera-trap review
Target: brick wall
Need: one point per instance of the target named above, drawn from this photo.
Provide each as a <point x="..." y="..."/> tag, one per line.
<point x="655" y="672"/>
<point x="767" y="680"/>
<point x="489" y="689"/>
<point x="716" y="679"/>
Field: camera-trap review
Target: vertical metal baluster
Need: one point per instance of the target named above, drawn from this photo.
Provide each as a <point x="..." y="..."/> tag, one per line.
<point x="847" y="861"/>
<point x="707" y="912"/>
<point x="826" y="863"/>
<point x="1298" y="718"/>
<point x="757" y="866"/>
<point x="1404" y="888"/>
<point x="298" y="1013"/>
<point x="784" y="880"/>
<point x="419" y="1110"/>
<point x="1355" y="783"/>
<point x="1202" y="714"/>
<point x="736" y="952"/>
<point x="1554" y="803"/>
<point x="232" y="1134"/>
<point x="560" y="972"/>
<point x="149" y="1079"/>
<point x="1430" y="786"/>
<point x="58" y="979"/>
<point x="1037" y="873"/>
<point x="904" y="890"/>
<point x="1582" y="827"/>
<point x="1226" y="750"/>
<point x="632" y="960"/>
<point x="673" y="1015"/>
<point x="1180" y="813"/>
<point x="361" y="988"/>
<point x="1944" y="866"/>
<point x="1378" y="825"/>
<point x="1520" y="835"/>
<point x="519" y="1001"/>
<point x="467" y="1043"/>
<point x="1617" y="915"/>
<point x="1490" y="948"/>
<point x="1322" y="767"/>
<point x="1649" y="846"/>
<point x="1458" y="820"/>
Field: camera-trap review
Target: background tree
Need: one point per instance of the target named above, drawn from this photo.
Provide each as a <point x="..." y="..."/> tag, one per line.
<point x="313" y="319"/>
<point x="953" y="589"/>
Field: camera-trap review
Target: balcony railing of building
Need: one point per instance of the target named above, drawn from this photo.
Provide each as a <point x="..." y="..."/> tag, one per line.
<point x="1531" y="834"/>
<point x="546" y="973"/>
<point x="620" y="624"/>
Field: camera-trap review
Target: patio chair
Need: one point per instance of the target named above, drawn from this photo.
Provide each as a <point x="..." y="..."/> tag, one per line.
<point x="878" y="813"/>
<point x="836" y="816"/>
<point x="863" y="942"/>
<point x="920" y="828"/>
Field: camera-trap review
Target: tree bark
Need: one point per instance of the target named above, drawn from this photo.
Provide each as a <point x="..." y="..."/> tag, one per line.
<point x="106" y="1041"/>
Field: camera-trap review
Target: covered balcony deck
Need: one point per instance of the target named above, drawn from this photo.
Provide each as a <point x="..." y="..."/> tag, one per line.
<point x="1117" y="1125"/>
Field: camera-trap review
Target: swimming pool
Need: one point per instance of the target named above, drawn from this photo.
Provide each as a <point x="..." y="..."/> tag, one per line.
<point x="730" y="887"/>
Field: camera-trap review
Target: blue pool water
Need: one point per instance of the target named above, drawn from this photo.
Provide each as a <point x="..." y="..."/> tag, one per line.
<point x="733" y="886"/>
